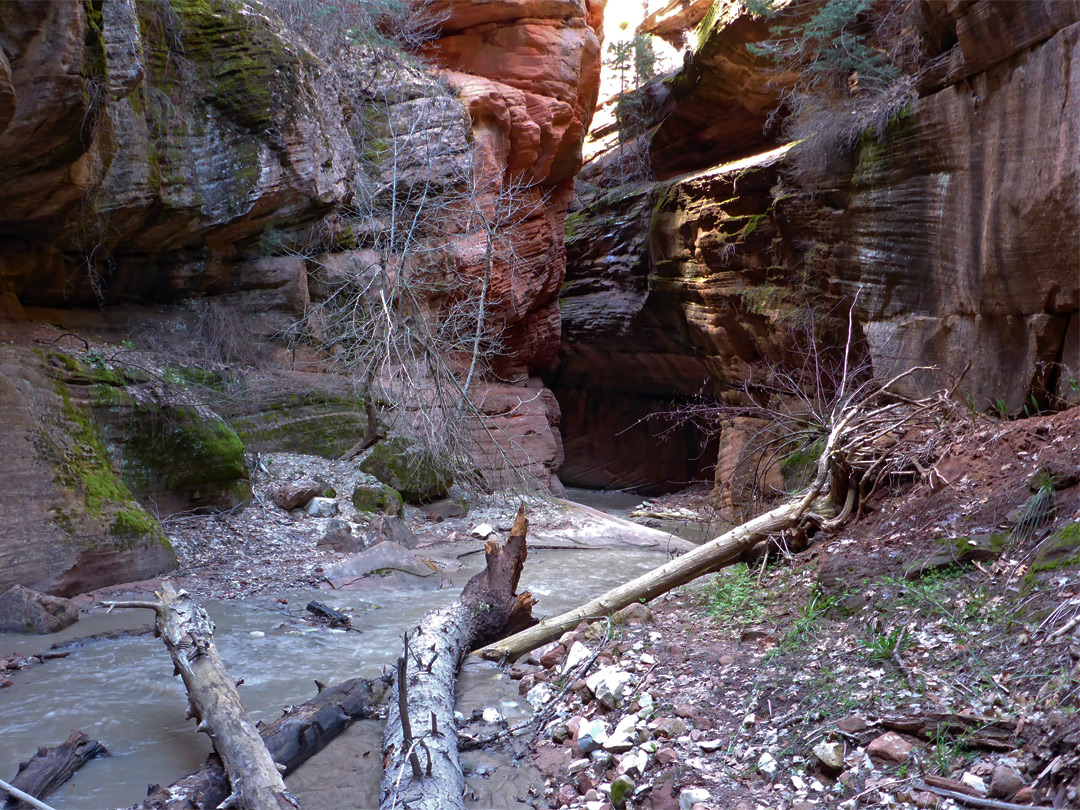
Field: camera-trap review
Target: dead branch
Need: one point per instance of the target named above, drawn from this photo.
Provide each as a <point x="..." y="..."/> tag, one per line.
<point x="188" y="634"/>
<point x="292" y="739"/>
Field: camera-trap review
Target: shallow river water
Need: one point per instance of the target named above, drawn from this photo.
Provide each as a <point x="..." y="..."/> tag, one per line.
<point x="122" y="692"/>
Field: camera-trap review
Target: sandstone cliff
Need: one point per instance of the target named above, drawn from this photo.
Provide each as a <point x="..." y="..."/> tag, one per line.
<point x="953" y="231"/>
<point x="188" y="154"/>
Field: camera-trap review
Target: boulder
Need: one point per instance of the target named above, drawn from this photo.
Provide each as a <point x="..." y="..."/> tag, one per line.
<point x="321" y="508"/>
<point x="767" y="765"/>
<point x="339" y="536"/>
<point x="830" y="755"/>
<point x="538" y="696"/>
<point x="1005" y="782"/>
<point x="445" y="509"/>
<point x="375" y="497"/>
<point x="622" y="787"/>
<point x="406" y="466"/>
<point x="385" y="556"/>
<point x="591" y="736"/>
<point x="25" y="611"/>
<point x="390" y="529"/>
<point x="295" y="494"/>
<point x="692" y="796"/>
<point x="890" y="747"/>
<point x="608" y="684"/>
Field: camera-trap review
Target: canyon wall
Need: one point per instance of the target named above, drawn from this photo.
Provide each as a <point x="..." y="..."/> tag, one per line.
<point x="163" y="169"/>
<point x="953" y="232"/>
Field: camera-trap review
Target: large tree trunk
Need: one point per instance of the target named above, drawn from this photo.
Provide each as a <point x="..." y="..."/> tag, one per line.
<point x="49" y="768"/>
<point x="188" y="634"/>
<point x="420" y="744"/>
<point x="291" y="740"/>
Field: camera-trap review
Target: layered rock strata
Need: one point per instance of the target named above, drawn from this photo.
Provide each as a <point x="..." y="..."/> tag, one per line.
<point x="951" y="231"/>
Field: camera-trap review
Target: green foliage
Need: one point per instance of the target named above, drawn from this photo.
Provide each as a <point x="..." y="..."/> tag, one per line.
<point x="883" y="646"/>
<point x="831" y="46"/>
<point x="734" y="596"/>
<point x="1037" y="512"/>
<point x="812" y="610"/>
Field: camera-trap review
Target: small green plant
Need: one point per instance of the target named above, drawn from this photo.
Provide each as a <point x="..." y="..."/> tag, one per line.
<point x="943" y="752"/>
<point x="1002" y="408"/>
<point x="809" y="613"/>
<point x="734" y="596"/>
<point x="883" y="646"/>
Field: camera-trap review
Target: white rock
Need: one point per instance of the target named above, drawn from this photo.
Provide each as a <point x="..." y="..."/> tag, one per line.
<point x="492" y="715"/>
<point x="688" y="798"/>
<point x="257" y="634"/>
<point x="646" y="704"/>
<point x="830" y="754"/>
<point x="601" y="758"/>
<point x="577" y="766"/>
<point x="618" y="743"/>
<point x="634" y="763"/>
<point x="592" y="734"/>
<point x="321" y="507"/>
<point x="798" y="782"/>
<point x="710" y="745"/>
<point x="539" y="695"/>
<point x="578" y="653"/>
<point x="483" y="531"/>
<point x="767" y="765"/>
<point x="974" y="782"/>
<point x="608" y="684"/>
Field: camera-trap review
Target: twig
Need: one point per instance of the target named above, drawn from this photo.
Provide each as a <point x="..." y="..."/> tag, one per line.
<point x="900" y="663"/>
<point x="974" y="801"/>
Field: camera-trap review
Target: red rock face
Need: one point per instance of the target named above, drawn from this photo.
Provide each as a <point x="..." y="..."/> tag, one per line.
<point x="961" y="222"/>
<point x="529" y="73"/>
<point x="956" y="226"/>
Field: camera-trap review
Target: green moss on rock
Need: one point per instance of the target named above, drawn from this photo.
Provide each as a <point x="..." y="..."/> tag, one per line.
<point x="83" y="466"/>
<point x="184" y="452"/>
<point x="377" y="498"/>
<point x="404" y="465"/>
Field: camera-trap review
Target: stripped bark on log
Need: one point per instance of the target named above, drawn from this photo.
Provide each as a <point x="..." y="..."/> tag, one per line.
<point x="50" y="767"/>
<point x="422" y="770"/>
<point x="213" y="701"/>
<point x="292" y="740"/>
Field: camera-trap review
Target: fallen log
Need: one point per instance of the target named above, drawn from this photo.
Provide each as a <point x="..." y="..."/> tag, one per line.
<point x="422" y="770"/>
<point x="292" y="740"/>
<point x="49" y="768"/>
<point x="724" y="550"/>
<point x="852" y="449"/>
<point x="213" y="701"/>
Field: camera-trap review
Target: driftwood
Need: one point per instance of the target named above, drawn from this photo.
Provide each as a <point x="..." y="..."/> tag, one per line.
<point x="214" y="702"/>
<point x="420" y="743"/>
<point x="292" y="739"/>
<point x="852" y="462"/>
<point x="49" y="768"/>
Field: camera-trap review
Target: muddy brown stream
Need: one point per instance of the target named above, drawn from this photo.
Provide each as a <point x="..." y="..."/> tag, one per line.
<point x="121" y="691"/>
